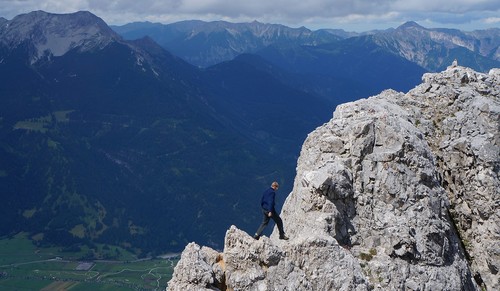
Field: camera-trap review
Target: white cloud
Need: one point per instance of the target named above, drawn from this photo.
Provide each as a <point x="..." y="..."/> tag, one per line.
<point x="456" y="6"/>
<point x="492" y="20"/>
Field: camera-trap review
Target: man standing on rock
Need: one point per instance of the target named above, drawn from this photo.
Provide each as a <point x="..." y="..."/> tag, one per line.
<point x="267" y="203"/>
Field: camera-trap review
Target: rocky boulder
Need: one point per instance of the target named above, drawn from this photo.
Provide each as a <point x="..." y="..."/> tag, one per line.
<point x="396" y="192"/>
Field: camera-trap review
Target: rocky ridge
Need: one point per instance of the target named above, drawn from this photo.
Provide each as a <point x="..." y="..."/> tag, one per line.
<point x="432" y="48"/>
<point x="209" y="43"/>
<point x="396" y="192"/>
<point x="56" y="34"/>
<point x="44" y="36"/>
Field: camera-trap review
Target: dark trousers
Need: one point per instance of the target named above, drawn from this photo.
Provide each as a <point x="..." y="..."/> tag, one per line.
<point x="265" y="221"/>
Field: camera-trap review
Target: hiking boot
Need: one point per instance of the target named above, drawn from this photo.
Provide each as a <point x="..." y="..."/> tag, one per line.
<point x="284" y="237"/>
<point x="256" y="237"/>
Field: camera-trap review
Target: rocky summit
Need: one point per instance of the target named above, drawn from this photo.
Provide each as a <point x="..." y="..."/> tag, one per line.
<point x="396" y="192"/>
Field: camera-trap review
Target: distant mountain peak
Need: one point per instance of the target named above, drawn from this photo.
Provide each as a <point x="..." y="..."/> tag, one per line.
<point x="55" y="34"/>
<point x="409" y="25"/>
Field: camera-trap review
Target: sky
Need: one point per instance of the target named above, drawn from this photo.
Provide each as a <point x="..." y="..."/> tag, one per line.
<point x="350" y="15"/>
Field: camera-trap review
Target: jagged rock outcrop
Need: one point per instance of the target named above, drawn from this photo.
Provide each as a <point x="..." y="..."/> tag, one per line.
<point x="396" y="192"/>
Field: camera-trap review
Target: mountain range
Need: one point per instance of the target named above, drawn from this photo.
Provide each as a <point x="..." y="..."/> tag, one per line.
<point x="208" y="43"/>
<point x="109" y="139"/>
<point x="331" y="63"/>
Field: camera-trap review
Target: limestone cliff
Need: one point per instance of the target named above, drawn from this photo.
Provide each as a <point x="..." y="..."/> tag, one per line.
<point x="396" y="192"/>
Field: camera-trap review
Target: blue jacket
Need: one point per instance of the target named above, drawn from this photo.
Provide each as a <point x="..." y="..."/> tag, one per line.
<point x="267" y="201"/>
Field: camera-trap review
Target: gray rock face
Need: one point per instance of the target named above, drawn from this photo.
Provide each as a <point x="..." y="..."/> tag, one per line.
<point x="56" y="34"/>
<point x="307" y="263"/>
<point x="396" y="192"/>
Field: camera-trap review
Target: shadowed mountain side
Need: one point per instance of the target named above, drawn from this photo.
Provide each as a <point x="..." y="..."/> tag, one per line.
<point x="121" y="142"/>
<point x="262" y="106"/>
<point x="345" y="70"/>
